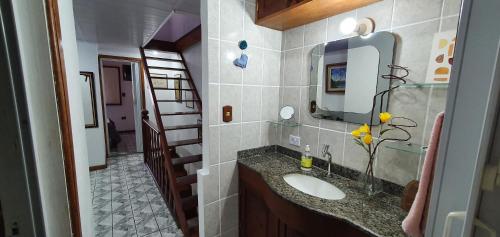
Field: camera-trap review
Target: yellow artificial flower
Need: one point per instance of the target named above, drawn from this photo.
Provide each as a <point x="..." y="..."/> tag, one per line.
<point x="364" y="129"/>
<point x="356" y="133"/>
<point x="367" y="139"/>
<point x="385" y="116"/>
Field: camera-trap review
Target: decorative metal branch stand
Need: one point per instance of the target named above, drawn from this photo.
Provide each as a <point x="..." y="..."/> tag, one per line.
<point x="369" y="183"/>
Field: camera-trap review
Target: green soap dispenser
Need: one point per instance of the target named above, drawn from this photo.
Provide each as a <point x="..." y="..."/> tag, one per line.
<point x="306" y="160"/>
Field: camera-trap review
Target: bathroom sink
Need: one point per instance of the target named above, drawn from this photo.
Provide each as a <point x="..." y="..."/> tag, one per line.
<point x="314" y="186"/>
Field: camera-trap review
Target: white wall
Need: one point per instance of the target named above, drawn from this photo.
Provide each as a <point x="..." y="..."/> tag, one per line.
<point x="39" y="84"/>
<point x="192" y="55"/>
<point x="76" y="110"/>
<point x="126" y="109"/>
<point x="87" y="55"/>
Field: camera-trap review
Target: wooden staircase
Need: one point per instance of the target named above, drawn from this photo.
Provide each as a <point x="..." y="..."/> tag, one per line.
<point x="175" y="127"/>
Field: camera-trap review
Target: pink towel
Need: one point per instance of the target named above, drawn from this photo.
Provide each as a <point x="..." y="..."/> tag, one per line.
<point x="413" y="223"/>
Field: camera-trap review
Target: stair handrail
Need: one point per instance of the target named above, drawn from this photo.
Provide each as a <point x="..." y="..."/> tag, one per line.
<point x="166" y="153"/>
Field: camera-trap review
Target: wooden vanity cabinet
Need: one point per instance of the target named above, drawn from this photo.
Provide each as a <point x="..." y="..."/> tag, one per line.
<point x="286" y="14"/>
<point x="263" y="213"/>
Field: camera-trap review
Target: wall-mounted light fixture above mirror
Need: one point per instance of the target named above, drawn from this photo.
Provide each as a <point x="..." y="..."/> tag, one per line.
<point x="346" y="74"/>
<point x="88" y="99"/>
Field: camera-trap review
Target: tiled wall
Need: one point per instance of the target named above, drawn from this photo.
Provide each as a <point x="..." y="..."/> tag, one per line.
<point x="253" y="94"/>
<point x="414" y="24"/>
<point x="277" y="75"/>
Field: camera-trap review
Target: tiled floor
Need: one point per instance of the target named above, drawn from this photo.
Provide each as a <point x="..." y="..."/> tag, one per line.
<point x="127" y="143"/>
<point x="126" y="201"/>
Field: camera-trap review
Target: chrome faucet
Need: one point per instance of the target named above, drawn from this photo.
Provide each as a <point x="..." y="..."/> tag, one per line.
<point x="327" y="153"/>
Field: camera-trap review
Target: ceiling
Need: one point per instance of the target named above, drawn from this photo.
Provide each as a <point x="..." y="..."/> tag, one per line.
<point x="177" y="26"/>
<point x="125" y="22"/>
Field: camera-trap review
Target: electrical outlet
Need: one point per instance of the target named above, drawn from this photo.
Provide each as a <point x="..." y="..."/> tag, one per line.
<point x="294" y="140"/>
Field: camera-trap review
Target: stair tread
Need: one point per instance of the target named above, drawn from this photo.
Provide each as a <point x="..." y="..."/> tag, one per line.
<point x="190" y="202"/>
<point x="176" y="100"/>
<point x="180" y="113"/>
<point x="169" y="78"/>
<point x="167" y="68"/>
<point x="187" y="126"/>
<point x="165" y="59"/>
<point x="185" y="142"/>
<point x="187" y="180"/>
<point x="171" y="89"/>
<point x="186" y="159"/>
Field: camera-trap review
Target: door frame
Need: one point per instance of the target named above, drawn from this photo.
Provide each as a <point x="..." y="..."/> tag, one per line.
<point x="469" y="120"/>
<point x="101" y="57"/>
<point x="61" y="89"/>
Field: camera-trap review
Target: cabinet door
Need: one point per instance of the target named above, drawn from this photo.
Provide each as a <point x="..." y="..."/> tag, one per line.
<point x="255" y="218"/>
<point x="268" y="7"/>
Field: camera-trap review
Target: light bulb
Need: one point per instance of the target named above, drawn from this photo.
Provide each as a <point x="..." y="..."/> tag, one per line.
<point x="348" y="25"/>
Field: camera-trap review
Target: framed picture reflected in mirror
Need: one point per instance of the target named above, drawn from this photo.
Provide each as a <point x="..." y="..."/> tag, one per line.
<point x="335" y="77"/>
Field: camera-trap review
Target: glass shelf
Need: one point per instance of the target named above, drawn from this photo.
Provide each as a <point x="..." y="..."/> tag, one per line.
<point x="286" y="123"/>
<point x="423" y="85"/>
<point x="407" y="147"/>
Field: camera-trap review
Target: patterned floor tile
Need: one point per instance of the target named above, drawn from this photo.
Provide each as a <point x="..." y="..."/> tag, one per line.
<point x="127" y="203"/>
<point x="103" y="231"/>
<point x="171" y="231"/>
<point x="146" y="225"/>
<point x="164" y="219"/>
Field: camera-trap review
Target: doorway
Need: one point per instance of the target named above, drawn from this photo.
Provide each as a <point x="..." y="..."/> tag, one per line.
<point x="122" y="86"/>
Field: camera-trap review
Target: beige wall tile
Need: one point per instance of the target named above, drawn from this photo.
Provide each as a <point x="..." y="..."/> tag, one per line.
<point x="250" y="135"/>
<point x="410" y="11"/>
<point x="309" y="136"/>
<point x="229" y="73"/>
<point x="251" y="106"/>
<point x="231" y="95"/>
<point x="213" y="62"/>
<point x="379" y="12"/>
<point x="231" y="20"/>
<point x="228" y="179"/>
<point x="398" y="166"/>
<point x="213" y="104"/>
<point x="230" y="136"/>
<point x="270" y="103"/>
<point x="211" y="185"/>
<point x="229" y="213"/>
<point x="212" y="219"/>
<point x="451" y="7"/>
<point x="214" y="145"/>
<point x="292" y="68"/>
<point x="315" y="32"/>
<point x="252" y="74"/>
<point x="213" y="18"/>
<point x="336" y="142"/>
<point x="413" y="48"/>
<point x="294" y="38"/>
<point x="272" y="68"/>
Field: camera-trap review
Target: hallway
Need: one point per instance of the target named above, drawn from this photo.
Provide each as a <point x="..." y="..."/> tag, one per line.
<point x="126" y="201"/>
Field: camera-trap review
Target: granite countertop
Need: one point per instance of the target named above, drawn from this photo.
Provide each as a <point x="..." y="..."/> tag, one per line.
<point x="379" y="215"/>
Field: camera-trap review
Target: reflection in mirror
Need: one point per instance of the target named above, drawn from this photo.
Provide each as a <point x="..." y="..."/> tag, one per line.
<point x="346" y="74"/>
<point x="88" y="99"/>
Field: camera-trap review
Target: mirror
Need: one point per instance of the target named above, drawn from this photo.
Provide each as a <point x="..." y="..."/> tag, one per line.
<point x="346" y="74"/>
<point x="88" y="99"/>
<point x="287" y="112"/>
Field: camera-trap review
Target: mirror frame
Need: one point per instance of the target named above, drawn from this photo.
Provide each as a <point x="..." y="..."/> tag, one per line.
<point x="90" y="76"/>
<point x="385" y="43"/>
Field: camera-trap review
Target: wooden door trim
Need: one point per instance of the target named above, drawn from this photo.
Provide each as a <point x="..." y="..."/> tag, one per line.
<point x="61" y="89"/>
<point x="101" y="57"/>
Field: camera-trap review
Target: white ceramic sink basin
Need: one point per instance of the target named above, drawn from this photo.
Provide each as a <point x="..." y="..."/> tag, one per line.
<point x="314" y="186"/>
